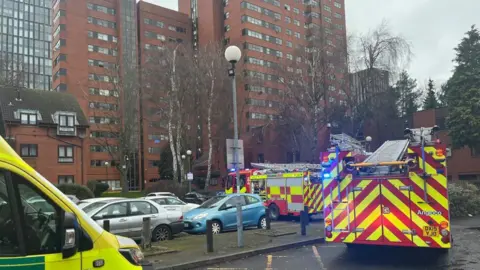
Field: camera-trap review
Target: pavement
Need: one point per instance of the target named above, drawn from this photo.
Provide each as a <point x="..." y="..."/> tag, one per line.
<point x="189" y="251"/>
<point x="465" y="255"/>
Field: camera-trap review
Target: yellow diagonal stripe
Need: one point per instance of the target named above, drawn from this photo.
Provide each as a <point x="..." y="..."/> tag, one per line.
<point x="375" y="235"/>
<point x="389" y="235"/>
<point x="440" y="178"/>
<point x="367" y="222"/>
<point x="430" y="190"/>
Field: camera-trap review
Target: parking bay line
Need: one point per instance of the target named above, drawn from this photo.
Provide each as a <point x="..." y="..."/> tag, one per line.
<point x="319" y="259"/>
<point x="269" y="262"/>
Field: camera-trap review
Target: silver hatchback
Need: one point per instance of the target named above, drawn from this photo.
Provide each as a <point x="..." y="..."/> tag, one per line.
<point x="126" y="218"/>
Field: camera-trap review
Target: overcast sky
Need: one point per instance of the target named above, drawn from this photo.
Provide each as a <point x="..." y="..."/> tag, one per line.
<point x="433" y="27"/>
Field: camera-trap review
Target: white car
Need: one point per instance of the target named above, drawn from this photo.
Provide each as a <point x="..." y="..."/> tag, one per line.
<point x="154" y="194"/>
<point x="171" y="203"/>
<point x="89" y="204"/>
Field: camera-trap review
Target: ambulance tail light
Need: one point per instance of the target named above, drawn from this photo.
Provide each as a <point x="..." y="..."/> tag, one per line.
<point x="328" y="222"/>
<point x="445" y="236"/>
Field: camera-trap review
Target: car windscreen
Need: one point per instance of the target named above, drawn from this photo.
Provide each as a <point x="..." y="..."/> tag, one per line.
<point x="212" y="202"/>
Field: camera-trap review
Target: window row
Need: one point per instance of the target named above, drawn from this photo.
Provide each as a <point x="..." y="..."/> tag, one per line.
<point x="158" y="137"/>
<point x="265" y="50"/>
<point x="263" y="103"/>
<point x="103" y="149"/>
<point x="102" y="78"/>
<point x="104" y="134"/>
<point x="260" y="62"/>
<point x="262" y="116"/>
<point x="153" y="22"/>
<point x="65" y="152"/>
<point x="271" y="39"/>
<point x="262" y="89"/>
<point x="101" y="22"/>
<point x="153" y="35"/>
<point x="101" y="64"/>
<point x="103" y="120"/>
<point x="101" y="36"/>
<point x="263" y="76"/>
<point x="103" y="163"/>
<point x="102" y="50"/>
<point x="103" y="106"/>
<point x="268" y="12"/>
<point x="102" y="92"/>
<point x="100" y="8"/>
<point x="263" y="23"/>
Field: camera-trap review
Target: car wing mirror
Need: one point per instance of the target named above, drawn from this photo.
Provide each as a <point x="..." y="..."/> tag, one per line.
<point x="70" y="236"/>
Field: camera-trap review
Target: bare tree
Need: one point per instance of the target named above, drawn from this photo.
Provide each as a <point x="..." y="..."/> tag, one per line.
<point x="312" y="79"/>
<point x="212" y="88"/>
<point x="169" y="74"/>
<point x="113" y="96"/>
<point x="375" y="59"/>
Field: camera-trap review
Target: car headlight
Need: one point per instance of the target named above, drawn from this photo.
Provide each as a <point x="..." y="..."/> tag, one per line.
<point x="133" y="255"/>
<point x="200" y="216"/>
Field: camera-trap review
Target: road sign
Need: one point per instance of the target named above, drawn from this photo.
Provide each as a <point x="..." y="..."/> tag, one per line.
<point x="230" y="151"/>
<point x="190" y="176"/>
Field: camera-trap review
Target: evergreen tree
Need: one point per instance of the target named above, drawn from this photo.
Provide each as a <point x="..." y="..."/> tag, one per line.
<point x="463" y="95"/>
<point x="442" y="95"/>
<point x="165" y="167"/>
<point x="430" y="101"/>
<point x="406" y="91"/>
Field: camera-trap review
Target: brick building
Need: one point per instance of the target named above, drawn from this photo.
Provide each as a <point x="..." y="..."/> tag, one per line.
<point x="464" y="163"/>
<point x="269" y="32"/>
<point x="157" y="27"/>
<point x="48" y="130"/>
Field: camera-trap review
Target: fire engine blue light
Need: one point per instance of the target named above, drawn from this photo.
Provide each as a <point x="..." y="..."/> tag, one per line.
<point x="232" y="169"/>
<point x="326" y="175"/>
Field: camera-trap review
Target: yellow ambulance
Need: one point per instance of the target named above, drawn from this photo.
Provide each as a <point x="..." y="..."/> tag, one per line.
<point x="54" y="234"/>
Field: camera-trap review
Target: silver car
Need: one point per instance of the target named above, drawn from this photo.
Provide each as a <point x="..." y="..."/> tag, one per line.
<point x="126" y="218"/>
<point x="88" y="205"/>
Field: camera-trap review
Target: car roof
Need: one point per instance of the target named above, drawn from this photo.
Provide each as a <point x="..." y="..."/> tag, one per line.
<point x="101" y="199"/>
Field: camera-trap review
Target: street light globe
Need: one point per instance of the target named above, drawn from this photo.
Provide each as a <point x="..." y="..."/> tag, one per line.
<point x="329" y="125"/>
<point x="183" y="156"/>
<point x="368" y="139"/>
<point x="106" y="163"/>
<point x="233" y="54"/>
<point x="189" y="152"/>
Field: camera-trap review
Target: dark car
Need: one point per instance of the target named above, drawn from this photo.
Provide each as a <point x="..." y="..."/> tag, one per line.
<point x="195" y="197"/>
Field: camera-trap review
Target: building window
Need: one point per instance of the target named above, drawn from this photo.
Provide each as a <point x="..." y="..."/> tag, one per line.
<point x="65" y="154"/>
<point x="66" y="123"/>
<point x="28" y="118"/>
<point x="154" y="163"/>
<point x="154" y="150"/>
<point x="29" y="150"/>
<point x="475" y="151"/>
<point x="66" y="179"/>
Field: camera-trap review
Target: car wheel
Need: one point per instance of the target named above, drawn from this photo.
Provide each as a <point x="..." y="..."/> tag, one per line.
<point x="262" y="223"/>
<point x="274" y="212"/>
<point x="162" y="233"/>
<point x="216" y="227"/>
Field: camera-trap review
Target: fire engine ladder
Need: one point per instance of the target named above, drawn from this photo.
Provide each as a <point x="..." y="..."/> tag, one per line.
<point x="389" y="151"/>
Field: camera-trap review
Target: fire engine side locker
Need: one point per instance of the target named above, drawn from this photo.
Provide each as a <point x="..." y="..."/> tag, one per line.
<point x="276" y="190"/>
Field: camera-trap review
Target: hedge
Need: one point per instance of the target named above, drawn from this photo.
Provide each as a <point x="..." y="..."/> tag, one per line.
<point x="464" y="199"/>
<point x="81" y="192"/>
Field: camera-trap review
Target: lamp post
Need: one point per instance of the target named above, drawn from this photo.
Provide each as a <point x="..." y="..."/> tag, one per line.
<point x="183" y="165"/>
<point x="233" y="55"/>
<point x="368" y="140"/>
<point x="189" y="155"/>
<point x="106" y="169"/>
<point x="126" y="170"/>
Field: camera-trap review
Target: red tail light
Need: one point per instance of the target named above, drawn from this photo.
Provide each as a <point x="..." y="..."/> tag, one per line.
<point x="181" y="218"/>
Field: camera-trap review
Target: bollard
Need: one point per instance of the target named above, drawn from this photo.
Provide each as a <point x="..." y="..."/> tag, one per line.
<point x="239" y="225"/>
<point x="106" y="225"/>
<point x="146" y="233"/>
<point x="307" y="220"/>
<point x="303" y="223"/>
<point x="267" y="217"/>
<point x="209" y="236"/>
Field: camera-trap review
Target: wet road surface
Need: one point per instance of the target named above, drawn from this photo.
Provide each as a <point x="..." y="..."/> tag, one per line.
<point x="465" y="255"/>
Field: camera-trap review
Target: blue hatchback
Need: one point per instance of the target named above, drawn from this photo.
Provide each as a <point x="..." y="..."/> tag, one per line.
<point x="222" y="211"/>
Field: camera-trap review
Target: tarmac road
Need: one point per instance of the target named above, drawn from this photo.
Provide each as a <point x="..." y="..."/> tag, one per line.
<point x="464" y="256"/>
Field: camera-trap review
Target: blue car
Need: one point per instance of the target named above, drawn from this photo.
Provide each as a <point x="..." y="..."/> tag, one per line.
<point x="222" y="211"/>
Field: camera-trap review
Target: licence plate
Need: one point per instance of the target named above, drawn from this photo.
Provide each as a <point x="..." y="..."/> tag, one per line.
<point x="430" y="231"/>
<point x="185" y="225"/>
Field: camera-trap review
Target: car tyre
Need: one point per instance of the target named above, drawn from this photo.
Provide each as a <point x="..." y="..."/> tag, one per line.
<point x="274" y="211"/>
<point x="216" y="227"/>
<point x="262" y="223"/>
<point x="162" y="233"/>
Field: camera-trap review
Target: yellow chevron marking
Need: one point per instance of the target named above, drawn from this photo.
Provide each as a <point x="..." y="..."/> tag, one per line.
<point x="359" y="207"/>
<point x="389" y="235"/>
<point x="415" y="218"/>
<point x="440" y="178"/>
<point x="430" y="190"/>
<point x="367" y="222"/>
<point x="376" y="234"/>
<point x="350" y="238"/>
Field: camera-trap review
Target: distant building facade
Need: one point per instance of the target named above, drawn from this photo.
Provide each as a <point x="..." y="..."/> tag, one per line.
<point x="48" y="131"/>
